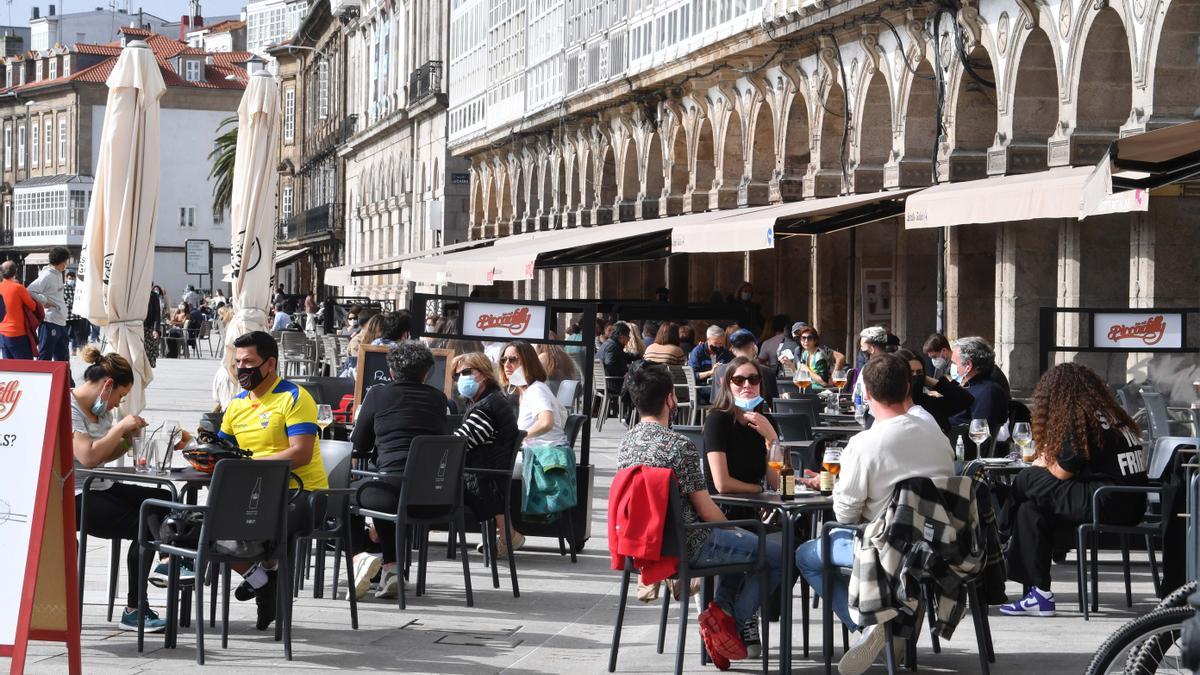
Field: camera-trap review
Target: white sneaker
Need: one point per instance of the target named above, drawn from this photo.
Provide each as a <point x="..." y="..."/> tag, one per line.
<point x="518" y="541"/>
<point x="389" y="584"/>
<point x="366" y="566"/>
<point x="863" y="652"/>
<point x="751" y="638"/>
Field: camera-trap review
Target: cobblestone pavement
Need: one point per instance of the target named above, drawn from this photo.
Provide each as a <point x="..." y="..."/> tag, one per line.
<point x="562" y="623"/>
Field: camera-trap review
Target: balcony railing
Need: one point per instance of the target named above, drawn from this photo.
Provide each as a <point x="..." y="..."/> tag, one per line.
<point x="425" y="81"/>
<point x="314" y="221"/>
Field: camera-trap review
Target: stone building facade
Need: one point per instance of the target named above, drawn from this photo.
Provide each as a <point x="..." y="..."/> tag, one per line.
<point x="668" y="108"/>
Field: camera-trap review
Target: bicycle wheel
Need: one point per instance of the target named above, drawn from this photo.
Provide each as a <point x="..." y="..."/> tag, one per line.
<point x="1148" y="644"/>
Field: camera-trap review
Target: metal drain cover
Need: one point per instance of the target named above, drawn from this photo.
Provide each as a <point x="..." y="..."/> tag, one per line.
<point x="500" y="638"/>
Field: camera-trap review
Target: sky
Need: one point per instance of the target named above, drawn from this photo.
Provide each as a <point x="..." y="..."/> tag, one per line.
<point x="167" y="9"/>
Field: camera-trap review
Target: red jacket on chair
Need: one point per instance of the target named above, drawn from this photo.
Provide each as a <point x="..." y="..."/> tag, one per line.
<point x="637" y="512"/>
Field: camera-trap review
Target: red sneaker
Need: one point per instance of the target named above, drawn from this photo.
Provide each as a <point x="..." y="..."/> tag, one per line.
<point x="720" y="634"/>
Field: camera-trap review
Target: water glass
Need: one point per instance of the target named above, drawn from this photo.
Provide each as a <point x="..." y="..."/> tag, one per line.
<point x="145" y="455"/>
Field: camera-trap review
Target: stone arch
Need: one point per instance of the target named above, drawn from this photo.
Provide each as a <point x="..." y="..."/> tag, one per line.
<point x="587" y="182"/>
<point x="974" y="118"/>
<point x="834" y="157"/>
<point x="704" y="174"/>
<point x="533" y="201"/>
<point x="919" y="119"/>
<point x="797" y="152"/>
<point x="675" y="175"/>
<point x="1175" y="80"/>
<point x="628" y="185"/>
<point x="872" y="135"/>
<point x="517" y="185"/>
<point x="1034" y="103"/>
<point x="1103" y="84"/>
<point x="477" y="205"/>
<point x="506" y="202"/>
<point x="655" y="172"/>
<point x="733" y="162"/>
<point x="607" y="190"/>
<point x="762" y="148"/>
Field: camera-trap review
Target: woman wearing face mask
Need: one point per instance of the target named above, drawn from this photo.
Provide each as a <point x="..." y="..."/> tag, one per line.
<point x="937" y="348"/>
<point x="738" y="430"/>
<point x="539" y="414"/>
<point x="751" y="311"/>
<point x="941" y="397"/>
<point x="97" y="440"/>
<point x="490" y="427"/>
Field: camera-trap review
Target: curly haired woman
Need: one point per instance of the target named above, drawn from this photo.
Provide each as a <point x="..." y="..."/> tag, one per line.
<point x="1084" y="441"/>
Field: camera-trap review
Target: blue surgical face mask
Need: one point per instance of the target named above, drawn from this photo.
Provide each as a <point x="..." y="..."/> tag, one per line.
<point x="468" y="386"/>
<point x="100" y="405"/>
<point x="955" y="374"/>
<point x="747" y="404"/>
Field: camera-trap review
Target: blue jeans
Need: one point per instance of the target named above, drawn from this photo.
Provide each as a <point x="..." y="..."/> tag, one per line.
<point x="738" y="594"/>
<point x="53" y="342"/>
<point x="841" y="553"/>
<point x="15" y="347"/>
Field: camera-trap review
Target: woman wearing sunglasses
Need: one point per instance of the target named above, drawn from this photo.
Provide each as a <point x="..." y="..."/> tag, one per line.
<point x="539" y="414"/>
<point x="490" y="427"/>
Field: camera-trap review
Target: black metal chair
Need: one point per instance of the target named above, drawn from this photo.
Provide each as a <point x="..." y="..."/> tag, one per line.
<point x="810" y="406"/>
<point x="793" y="426"/>
<point x="675" y="543"/>
<point x="571" y="427"/>
<point x="983" y="633"/>
<point x="253" y="504"/>
<point x="488" y="527"/>
<point x="1161" y="461"/>
<point x="432" y="480"/>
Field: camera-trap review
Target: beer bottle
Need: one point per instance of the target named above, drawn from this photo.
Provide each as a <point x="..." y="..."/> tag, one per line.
<point x="787" y="478"/>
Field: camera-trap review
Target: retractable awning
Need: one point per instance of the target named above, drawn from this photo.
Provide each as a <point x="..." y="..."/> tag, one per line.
<point x="758" y="228"/>
<point x="1057" y="193"/>
<point x="283" y="257"/>
<point x="1145" y="162"/>
<point x="341" y="275"/>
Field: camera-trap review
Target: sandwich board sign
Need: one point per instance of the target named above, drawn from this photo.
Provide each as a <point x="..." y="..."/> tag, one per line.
<point x="37" y="512"/>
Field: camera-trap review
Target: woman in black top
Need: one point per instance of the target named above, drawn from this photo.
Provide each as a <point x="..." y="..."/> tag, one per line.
<point x="490" y="427"/>
<point x="738" y="431"/>
<point x="951" y="399"/>
<point x="1084" y="441"/>
<point x="391" y="416"/>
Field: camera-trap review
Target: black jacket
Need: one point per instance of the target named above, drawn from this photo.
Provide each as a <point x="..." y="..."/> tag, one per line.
<point x="490" y="427"/>
<point x="612" y="355"/>
<point x="953" y="400"/>
<point x="391" y="416"/>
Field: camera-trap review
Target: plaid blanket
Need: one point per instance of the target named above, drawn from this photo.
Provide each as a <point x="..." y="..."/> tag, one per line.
<point x="931" y="531"/>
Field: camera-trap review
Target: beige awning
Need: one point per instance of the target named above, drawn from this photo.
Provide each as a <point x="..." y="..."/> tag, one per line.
<point x="1057" y="193"/>
<point x="341" y="276"/>
<point x="38" y="258"/>
<point x="759" y="227"/>
<point x="287" y="256"/>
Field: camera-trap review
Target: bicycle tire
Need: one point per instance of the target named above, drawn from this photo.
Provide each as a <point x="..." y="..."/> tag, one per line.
<point x="1133" y="634"/>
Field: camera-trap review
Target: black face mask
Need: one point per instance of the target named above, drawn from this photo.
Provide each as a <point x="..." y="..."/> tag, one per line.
<point x="918" y="385"/>
<point x="250" y="377"/>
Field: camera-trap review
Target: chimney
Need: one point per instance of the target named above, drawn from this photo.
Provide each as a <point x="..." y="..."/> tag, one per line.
<point x="184" y="26"/>
<point x="50" y="10"/>
<point x="35" y="14"/>
<point x="195" y="11"/>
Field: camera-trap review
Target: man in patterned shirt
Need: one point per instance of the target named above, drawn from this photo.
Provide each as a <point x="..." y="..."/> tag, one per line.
<point x="652" y="443"/>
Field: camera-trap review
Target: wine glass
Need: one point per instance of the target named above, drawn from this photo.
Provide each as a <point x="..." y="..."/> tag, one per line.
<point x="979" y="433"/>
<point x="775" y="458"/>
<point x="803" y="378"/>
<point x="839" y="380"/>
<point x="324" y="417"/>
<point x="1023" y="435"/>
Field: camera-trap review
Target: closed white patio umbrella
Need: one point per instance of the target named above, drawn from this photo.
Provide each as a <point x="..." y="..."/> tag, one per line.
<point x="252" y="211"/>
<point x="117" y="258"/>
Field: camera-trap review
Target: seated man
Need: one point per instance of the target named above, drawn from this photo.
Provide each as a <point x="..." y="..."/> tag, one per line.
<point x="897" y="447"/>
<point x="975" y="362"/>
<point x="652" y="443"/>
<point x="708" y="354"/>
<point x="274" y="419"/>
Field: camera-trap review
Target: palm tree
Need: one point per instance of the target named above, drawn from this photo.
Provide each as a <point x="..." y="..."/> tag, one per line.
<point x="222" y="158"/>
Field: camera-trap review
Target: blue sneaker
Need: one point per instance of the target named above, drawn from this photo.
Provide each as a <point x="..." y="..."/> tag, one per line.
<point x="129" y="621"/>
<point x="158" y="576"/>
<point x="1037" y="603"/>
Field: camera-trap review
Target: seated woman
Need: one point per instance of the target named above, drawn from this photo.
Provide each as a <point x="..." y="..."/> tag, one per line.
<point x="539" y="414"/>
<point x="738" y="430"/>
<point x="490" y="427"/>
<point x="390" y="417"/>
<point x="97" y="440"/>
<point x="940" y="398"/>
<point x="370" y="332"/>
<point x="666" y="349"/>
<point x="558" y="365"/>
<point x="1084" y="440"/>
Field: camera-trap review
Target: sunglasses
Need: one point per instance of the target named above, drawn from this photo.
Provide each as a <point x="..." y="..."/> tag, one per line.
<point x="464" y="371"/>
<point x="510" y="359"/>
<point x="743" y="380"/>
<point x="806" y="338"/>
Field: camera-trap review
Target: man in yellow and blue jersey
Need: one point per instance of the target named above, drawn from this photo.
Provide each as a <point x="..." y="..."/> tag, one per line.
<point x="273" y="419"/>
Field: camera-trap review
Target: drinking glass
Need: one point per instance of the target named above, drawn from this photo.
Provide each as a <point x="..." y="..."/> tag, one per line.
<point x="860" y="414"/>
<point x="803" y="378"/>
<point x="839" y="380"/>
<point x="324" y="417"/>
<point x="1023" y="435"/>
<point x="775" y="459"/>
<point x="979" y="433"/>
<point x="145" y="455"/>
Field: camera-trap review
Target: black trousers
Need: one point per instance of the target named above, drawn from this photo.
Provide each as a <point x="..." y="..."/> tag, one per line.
<point x="113" y="514"/>
<point x="1041" y="507"/>
<point x="384" y="495"/>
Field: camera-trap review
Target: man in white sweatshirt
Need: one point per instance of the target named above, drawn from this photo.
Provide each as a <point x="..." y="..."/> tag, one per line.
<point x="54" y="342"/>
<point x="897" y="447"/>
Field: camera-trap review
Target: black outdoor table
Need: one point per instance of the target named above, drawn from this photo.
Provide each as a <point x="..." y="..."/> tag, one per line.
<point x="191" y="478"/>
<point x="838" y="418"/>
<point x="790" y="513"/>
<point x="846" y="430"/>
<point x="993" y="468"/>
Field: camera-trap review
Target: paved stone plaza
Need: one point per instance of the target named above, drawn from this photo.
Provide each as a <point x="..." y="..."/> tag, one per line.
<point x="560" y="624"/>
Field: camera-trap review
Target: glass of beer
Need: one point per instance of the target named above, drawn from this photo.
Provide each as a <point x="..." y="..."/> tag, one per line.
<point x="831" y="465"/>
<point x="803" y="378"/>
<point x="1023" y="436"/>
<point x="839" y="380"/>
<point x="775" y="457"/>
